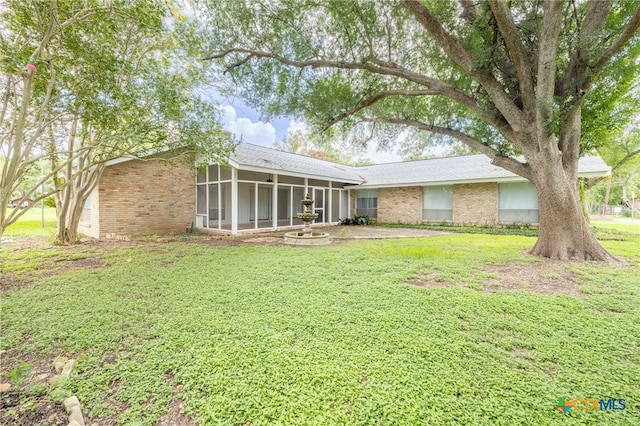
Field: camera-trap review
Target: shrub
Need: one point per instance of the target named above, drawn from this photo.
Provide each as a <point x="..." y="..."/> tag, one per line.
<point x="355" y="220"/>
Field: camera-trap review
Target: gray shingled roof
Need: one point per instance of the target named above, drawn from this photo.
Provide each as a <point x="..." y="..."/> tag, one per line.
<point x="447" y="170"/>
<point x="248" y="156"/>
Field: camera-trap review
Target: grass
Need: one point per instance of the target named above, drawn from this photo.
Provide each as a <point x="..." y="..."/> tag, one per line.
<point x="247" y="334"/>
<point x="30" y="224"/>
<point x="603" y="229"/>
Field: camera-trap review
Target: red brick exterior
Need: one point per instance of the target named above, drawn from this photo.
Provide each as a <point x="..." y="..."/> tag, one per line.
<point x="142" y="197"/>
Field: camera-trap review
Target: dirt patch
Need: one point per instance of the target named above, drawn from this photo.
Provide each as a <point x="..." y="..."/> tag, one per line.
<point x="547" y="278"/>
<point x="175" y="416"/>
<point x="29" y="403"/>
<point x="20" y="408"/>
<point x="424" y="279"/>
<point x="266" y="241"/>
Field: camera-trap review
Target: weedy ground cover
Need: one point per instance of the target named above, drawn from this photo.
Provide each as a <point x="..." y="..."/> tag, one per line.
<point x="410" y="331"/>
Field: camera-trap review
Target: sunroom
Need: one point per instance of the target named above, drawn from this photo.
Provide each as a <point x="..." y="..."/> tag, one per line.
<point x="263" y="189"/>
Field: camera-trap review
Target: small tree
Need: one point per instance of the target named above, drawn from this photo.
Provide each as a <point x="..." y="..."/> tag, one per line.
<point x="28" y="87"/>
<point x="124" y="86"/>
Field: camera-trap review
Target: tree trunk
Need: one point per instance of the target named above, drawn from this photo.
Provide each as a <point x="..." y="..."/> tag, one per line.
<point x="564" y="231"/>
<point x="67" y="230"/>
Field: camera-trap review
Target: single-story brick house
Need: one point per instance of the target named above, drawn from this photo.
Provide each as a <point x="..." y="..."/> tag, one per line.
<point x="262" y="189"/>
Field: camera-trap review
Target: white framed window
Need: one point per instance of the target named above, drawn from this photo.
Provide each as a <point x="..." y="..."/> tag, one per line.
<point x="86" y="211"/>
<point x="518" y="203"/>
<point x="437" y="203"/>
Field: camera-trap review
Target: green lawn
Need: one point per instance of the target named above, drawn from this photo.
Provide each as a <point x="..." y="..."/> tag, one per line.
<point x="246" y="334"/>
<point x="30" y="223"/>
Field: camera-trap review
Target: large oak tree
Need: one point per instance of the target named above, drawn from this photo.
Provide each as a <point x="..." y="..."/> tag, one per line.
<point x="508" y="79"/>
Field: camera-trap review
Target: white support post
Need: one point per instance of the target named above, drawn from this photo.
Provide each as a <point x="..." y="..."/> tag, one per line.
<point x="255" y="207"/>
<point x="274" y="203"/>
<point x="291" y="209"/>
<point x="220" y="205"/>
<point x="329" y="216"/>
<point x="234" y="201"/>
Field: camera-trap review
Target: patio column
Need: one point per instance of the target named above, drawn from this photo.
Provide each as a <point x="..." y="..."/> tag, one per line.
<point x="329" y="204"/>
<point x="274" y="202"/>
<point x="234" y="200"/>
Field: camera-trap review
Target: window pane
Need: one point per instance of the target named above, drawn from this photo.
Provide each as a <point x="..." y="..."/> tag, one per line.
<point x="216" y="210"/>
<point x="367" y="203"/>
<point x="213" y="173"/>
<point x="201" y="175"/>
<point x="518" y="195"/>
<point x="201" y="199"/>
<point x="225" y="173"/>
<point x="438" y="197"/>
<point x="518" y="203"/>
<point x="284" y="198"/>
<point x="335" y="205"/>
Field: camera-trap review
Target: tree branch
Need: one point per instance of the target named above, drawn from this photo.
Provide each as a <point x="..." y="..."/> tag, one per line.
<point x="594" y="21"/>
<point x="458" y="54"/>
<point x="469" y="11"/>
<point x="378" y="67"/>
<point x="367" y="102"/>
<point x="517" y="51"/>
<point x="628" y="32"/>
<point x="547" y="54"/>
<point x="508" y="163"/>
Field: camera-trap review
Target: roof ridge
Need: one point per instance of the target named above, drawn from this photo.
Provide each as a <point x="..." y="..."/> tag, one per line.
<point x="298" y="154"/>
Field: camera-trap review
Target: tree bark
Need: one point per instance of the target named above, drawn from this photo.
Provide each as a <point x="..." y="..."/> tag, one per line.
<point x="564" y="232"/>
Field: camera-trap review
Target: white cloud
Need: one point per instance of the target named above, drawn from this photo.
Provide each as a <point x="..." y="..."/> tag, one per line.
<point x="258" y="133"/>
<point x="297" y="126"/>
<point x="379" y="157"/>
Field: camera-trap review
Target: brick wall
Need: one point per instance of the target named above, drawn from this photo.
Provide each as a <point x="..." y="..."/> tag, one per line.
<point x="352" y="201"/>
<point x="146" y="197"/>
<point x="400" y="205"/>
<point x="475" y="204"/>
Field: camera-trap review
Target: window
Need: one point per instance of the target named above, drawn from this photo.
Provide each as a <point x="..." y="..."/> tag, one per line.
<point x="201" y="199"/>
<point x="437" y="203"/>
<point x="367" y="203"/>
<point x="518" y="203"/>
<point x="86" y="211"/>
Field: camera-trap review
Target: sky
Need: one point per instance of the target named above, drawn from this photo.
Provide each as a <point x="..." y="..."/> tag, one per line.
<point x="246" y="123"/>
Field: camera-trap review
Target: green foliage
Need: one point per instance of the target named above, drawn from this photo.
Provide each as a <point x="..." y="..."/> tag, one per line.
<point x="369" y="35"/>
<point x="355" y="220"/>
<point x="50" y="202"/>
<point x="275" y="334"/>
<point x="19" y="374"/>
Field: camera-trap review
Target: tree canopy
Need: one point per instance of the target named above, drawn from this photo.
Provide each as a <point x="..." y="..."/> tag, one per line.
<point x="507" y="79"/>
<point x="92" y="81"/>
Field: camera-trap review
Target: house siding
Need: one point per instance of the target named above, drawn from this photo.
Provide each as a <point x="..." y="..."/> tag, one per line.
<point x="146" y="197"/>
<point x="475" y="204"/>
<point x="400" y="205"/>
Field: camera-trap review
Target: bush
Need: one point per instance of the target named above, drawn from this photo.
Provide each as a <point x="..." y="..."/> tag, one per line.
<point x="355" y="220"/>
